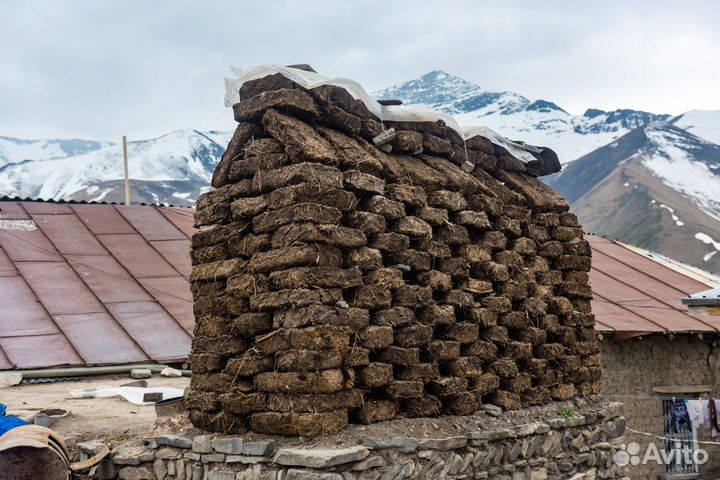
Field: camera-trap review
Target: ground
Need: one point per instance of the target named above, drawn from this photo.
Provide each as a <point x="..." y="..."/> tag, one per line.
<point x="112" y="419"/>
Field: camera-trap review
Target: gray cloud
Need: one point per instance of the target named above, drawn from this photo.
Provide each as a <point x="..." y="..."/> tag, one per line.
<point x="101" y="69"/>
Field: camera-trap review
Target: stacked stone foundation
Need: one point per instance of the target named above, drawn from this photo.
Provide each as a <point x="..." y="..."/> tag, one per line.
<point x="335" y="281"/>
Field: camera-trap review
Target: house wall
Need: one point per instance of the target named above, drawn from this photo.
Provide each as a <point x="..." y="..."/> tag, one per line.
<point x="632" y="368"/>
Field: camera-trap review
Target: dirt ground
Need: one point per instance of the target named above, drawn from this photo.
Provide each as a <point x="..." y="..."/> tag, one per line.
<point x="111" y="419"/>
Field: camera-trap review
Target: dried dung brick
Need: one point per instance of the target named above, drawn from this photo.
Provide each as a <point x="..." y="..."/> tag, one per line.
<point x="476" y="220"/>
<point x="446" y="386"/>
<point x="299" y="424"/>
<point x="451" y="201"/>
<point x="413" y="296"/>
<point x="259" y="154"/>
<point x="394" y="316"/>
<point x="438" y="315"/>
<point x="413" y="227"/>
<point x="407" y="141"/>
<point x="222" y="422"/>
<point x="459" y="299"/>
<point x="285" y="402"/>
<point x="436" y="280"/>
<point x="464" y="367"/>
<point x="310" y="192"/>
<point x="244" y="285"/>
<point x="376" y="337"/>
<point x="301" y="212"/>
<point x="326" y="381"/>
<point x="503" y="368"/>
<point x="485" y="383"/>
<point x="416" y="260"/>
<point x="417" y="335"/>
<point x="375" y="375"/>
<point x="294" y="298"/>
<point x="206" y="362"/>
<point x="451" y="234"/>
<point x="217" y="270"/>
<point x="390" y="209"/>
<point x="356" y="357"/>
<point x="247" y="245"/>
<point x="505" y="400"/>
<point x="291" y="100"/>
<point x="363" y="258"/>
<point x="372" y="297"/>
<point x="294" y="256"/>
<point x="422" y="372"/>
<point x="373" y="411"/>
<point x="493" y="240"/>
<point x="483" y="317"/>
<point x="464" y="403"/>
<point x="203" y="401"/>
<point x="563" y="391"/>
<point x="249" y="325"/>
<point x="354" y="318"/>
<point x="402" y="389"/>
<point x="301" y="141"/>
<point x="391" y="278"/>
<point x="478" y="287"/>
<point x="514" y="320"/>
<point x="307" y="360"/>
<point x="333" y="235"/>
<point x="243" y="133"/>
<point x="316" y="277"/>
<point x="485" y="351"/>
<point x="425" y="406"/>
<point x="367" y="222"/>
<point x="269" y="180"/>
<point x="364" y="183"/>
<point x="462" y="332"/>
<point x="212" y="326"/>
<point x="249" y="364"/>
<point x="389" y="242"/>
<point x="433" y="216"/>
<point x="221" y="345"/>
<point x="408" y="194"/>
<point x="244" y="404"/>
<point x="244" y="208"/>
<point x="441" y="351"/>
<point x="518" y="350"/>
<point x="399" y="356"/>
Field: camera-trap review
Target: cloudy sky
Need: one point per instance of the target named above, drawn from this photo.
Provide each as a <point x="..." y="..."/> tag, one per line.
<point x="101" y="69"/>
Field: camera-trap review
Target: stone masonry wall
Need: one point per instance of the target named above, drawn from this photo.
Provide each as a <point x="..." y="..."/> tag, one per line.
<point x="552" y="447"/>
<point x="335" y="281"/>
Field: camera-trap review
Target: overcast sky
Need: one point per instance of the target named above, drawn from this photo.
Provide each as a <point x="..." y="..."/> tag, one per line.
<point x="99" y="69"/>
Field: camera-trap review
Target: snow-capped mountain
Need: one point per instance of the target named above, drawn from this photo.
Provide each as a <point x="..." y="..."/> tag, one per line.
<point x="538" y="122"/>
<point x="14" y="150"/>
<point x="657" y="187"/>
<point x="703" y="123"/>
<point x="174" y="168"/>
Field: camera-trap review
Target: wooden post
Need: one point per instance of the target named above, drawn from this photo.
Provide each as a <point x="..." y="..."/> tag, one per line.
<point x="127" y="176"/>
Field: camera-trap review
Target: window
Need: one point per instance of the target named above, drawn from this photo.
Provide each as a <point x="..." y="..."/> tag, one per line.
<point x="679" y="436"/>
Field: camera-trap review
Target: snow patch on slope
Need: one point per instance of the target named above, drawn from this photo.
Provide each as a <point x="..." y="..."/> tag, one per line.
<point x="708" y="240"/>
<point x="673" y="163"/>
<point x="703" y="123"/>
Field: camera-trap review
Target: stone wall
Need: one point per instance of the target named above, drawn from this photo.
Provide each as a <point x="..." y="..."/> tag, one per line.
<point x="338" y="281"/>
<point x="633" y="368"/>
<point x="577" y="445"/>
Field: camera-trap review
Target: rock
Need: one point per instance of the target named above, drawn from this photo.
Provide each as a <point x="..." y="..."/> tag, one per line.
<point x="319" y="458"/>
<point x="443" y="444"/>
<point x="230" y="446"/>
<point x="491" y="409"/>
<point x="402" y="444"/>
<point x="368" y="463"/>
<point x="168" y="453"/>
<point x="9" y="379"/>
<point x="136" y="473"/>
<point x="171" y="372"/>
<point x="202" y="444"/>
<point x="295" y="474"/>
<point x="160" y="469"/>
<point x="490" y="435"/>
<point x="128" y="455"/>
<point x="174" y="441"/>
<point x="258" y="448"/>
<point x="220" y="475"/>
<point x="213" y="458"/>
<point x="139" y="373"/>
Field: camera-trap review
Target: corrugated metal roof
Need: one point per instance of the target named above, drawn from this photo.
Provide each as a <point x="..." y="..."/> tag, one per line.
<point x="85" y="284"/>
<point x="99" y="284"/>
<point x="636" y="292"/>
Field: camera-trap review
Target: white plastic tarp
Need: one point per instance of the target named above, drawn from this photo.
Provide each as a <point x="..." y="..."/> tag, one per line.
<point x="133" y="395"/>
<point x="386" y="113"/>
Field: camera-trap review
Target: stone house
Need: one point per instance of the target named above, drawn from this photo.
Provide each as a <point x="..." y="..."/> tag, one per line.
<point x="655" y="349"/>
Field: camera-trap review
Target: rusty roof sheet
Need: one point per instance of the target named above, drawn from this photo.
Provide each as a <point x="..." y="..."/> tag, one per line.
<point x="108" y="284"/>
<point x="93" y="284"/>
<point x="635" y="294"/>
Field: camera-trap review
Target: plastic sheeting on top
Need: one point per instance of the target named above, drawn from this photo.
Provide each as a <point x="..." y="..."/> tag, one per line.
<point x="386" y="113"/>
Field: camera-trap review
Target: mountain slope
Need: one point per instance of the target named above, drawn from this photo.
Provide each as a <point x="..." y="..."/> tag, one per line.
<point x="14" y="150"/>
<point x="703" y="123"/>
<point x="538" y="122"/>
<point x="656" y="187"/>
<point x="174" y="168"/>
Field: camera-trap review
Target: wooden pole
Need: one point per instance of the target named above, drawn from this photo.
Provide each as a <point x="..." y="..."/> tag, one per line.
<point x="127" y="176"/>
